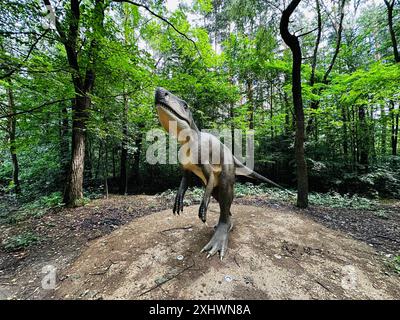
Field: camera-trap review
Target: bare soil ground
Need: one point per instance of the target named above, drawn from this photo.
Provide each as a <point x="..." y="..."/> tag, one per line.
<point x="115" y="249"/>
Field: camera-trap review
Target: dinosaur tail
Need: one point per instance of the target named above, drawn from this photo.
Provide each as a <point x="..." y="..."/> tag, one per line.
<point x="242" y="170"/>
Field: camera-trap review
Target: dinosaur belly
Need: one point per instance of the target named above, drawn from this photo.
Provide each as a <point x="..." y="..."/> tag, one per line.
<point x="188" y="162"/>
<point x="198" y="172"/>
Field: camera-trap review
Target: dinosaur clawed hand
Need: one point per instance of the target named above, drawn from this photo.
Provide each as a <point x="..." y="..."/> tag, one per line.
<point x="178" y="205"/>
<point x="219" y="241"/>
<point x="203" y="211"/>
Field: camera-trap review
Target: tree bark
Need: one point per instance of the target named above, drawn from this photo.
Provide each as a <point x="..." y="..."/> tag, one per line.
<point x="390" y="6"/>
<point x="73" y="194"/>
<point x="12" y="126"/>
<point x="293" y="43"/>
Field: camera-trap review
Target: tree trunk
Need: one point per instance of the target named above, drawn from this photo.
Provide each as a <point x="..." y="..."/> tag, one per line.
<point x="364" y="138"/>
<point x="294" y="45"/>
<point x="123" y="177"/>
<point x="88" y="165"/>
<point x="232" y="125"/>
<point x="64" y="145"/>
<point x="317" y="42"/>
<point x="73" y="195"/>
<point x="384" y="130"/>
<point x="288" y="123"/>
<point x="395" y="128"/>
<point x="250" y="107"/>
<point x="390" y="6"/>
<point x="371" y="131"/>
<point x="338" y="41"/>
<point x="12" y="126"/>
<point x="97" y="171"/>
<point x="312" y="127"/>
<point x="105" y="171"/>
<point x="83" y="78"/>
<point x="114" y="150"/>
<point x="271" y="109"/>
<point x="345" y="135"/>
<point x="136" y="156"/>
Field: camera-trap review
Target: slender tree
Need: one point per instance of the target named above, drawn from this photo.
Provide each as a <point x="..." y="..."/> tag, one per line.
<point x="292" y="42"/>
<point x="83" y="77"/>
<point x="12" y="125"/>
<point x="339" y="31"/>
<point x="123" y="177"/>
<point x="390" y="7"/>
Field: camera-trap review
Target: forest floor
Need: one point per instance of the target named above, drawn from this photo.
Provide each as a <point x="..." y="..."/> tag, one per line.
<point x="132" y="247"/>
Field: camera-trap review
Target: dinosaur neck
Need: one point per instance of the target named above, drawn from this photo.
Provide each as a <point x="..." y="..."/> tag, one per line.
<point x="194" y="127"/>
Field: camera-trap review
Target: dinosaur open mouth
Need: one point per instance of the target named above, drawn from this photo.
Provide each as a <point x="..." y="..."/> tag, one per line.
<point x="172" y="111"/>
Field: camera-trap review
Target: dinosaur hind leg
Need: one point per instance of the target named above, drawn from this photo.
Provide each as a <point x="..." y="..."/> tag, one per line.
<point x="219" y="241"/>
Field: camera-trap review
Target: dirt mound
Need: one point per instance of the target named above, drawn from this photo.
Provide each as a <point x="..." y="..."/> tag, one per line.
<point x="274" y="254"/>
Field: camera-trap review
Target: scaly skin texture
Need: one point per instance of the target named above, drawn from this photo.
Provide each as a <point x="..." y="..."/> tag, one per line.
<point x="196" y="157"/>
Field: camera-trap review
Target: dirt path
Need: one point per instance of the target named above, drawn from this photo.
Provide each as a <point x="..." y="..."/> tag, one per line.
<point x="64" y="236"/>
<point x="275" y="253"/>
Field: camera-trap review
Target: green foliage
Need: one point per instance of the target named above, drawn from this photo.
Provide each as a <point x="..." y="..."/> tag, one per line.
<point x="335" y="200"/>
<point x="35" y="209"/>
<point x="193" y="195"/>
<point x="237" y="68"/>
<point x="21" y="241"/>
<point x="394" y="264"/>
<point x="203" y="6"/>
<point x="331" y="200"/>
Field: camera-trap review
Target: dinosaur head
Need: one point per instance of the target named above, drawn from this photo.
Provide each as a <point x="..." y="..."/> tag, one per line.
<point x="171" y="108"/>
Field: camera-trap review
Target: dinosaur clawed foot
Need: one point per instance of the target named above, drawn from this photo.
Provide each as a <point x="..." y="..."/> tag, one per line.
<point x="219" y="241"/>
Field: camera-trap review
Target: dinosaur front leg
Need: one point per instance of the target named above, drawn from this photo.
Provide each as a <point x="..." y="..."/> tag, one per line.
<point x="208" y="173"/>
<point x="219" y="241"/>
<point x="178" y="204"/>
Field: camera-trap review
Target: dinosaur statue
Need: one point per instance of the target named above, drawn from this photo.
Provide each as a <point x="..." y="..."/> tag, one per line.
<point x="216" y="173"/>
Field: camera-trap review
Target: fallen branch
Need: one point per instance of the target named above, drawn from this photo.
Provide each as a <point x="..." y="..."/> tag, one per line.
<point x="179" y="228"/>
<point x="234" y="259"/>
<point x="323" y="286"/>
<point x="168" y="279"/>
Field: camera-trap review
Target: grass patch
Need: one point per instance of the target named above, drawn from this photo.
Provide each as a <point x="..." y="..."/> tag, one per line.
<point x="35" y="209"/>
<point x="394" y="264"/>
<point x="21" y="241"/>
<point x="332" y="200"/>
